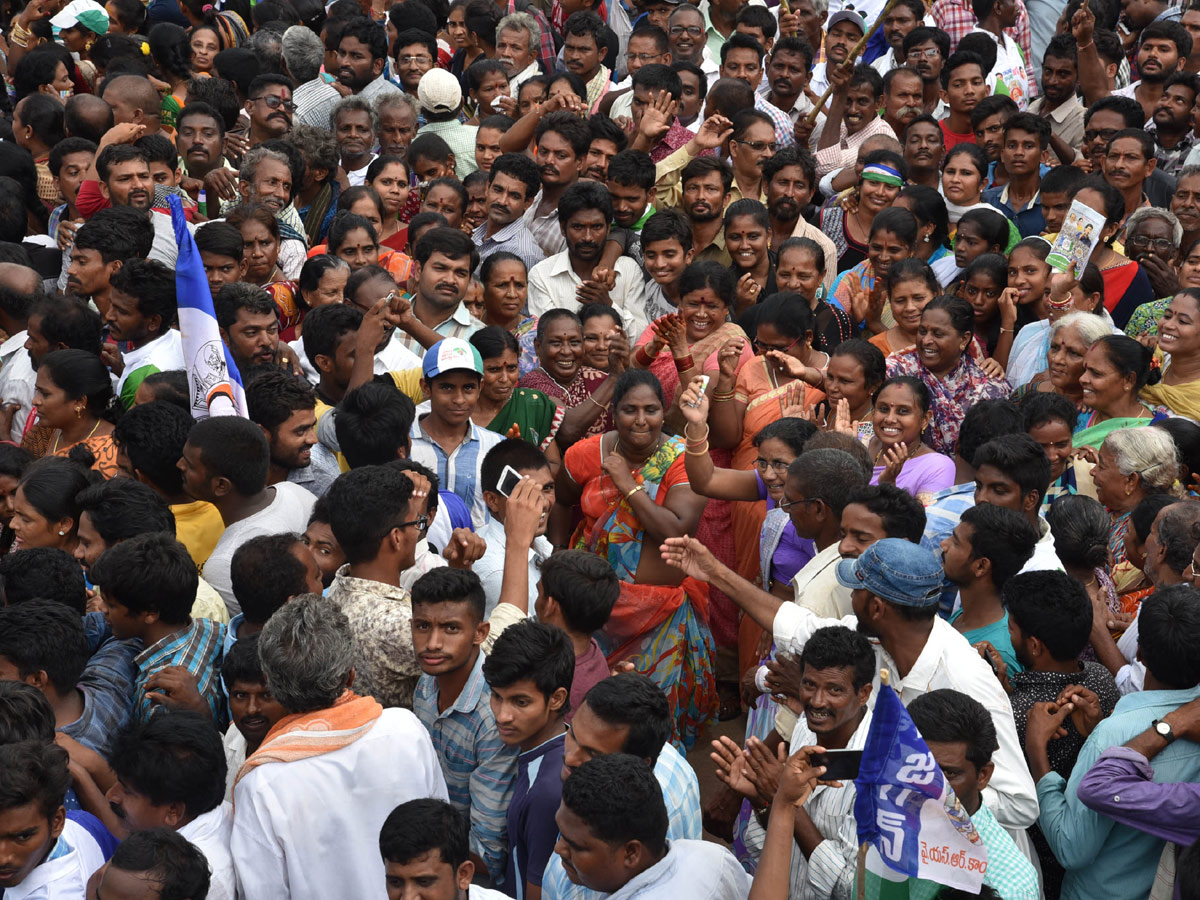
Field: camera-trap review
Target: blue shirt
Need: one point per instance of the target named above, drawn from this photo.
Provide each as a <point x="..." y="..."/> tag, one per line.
<point x="1102" y="858"/>
<point x="532" y="833"/>
<point x="478" y="766"/>
<point x="107" y="688"/>
<point x="1030" y="221"/>
<point x="942" y="516"/>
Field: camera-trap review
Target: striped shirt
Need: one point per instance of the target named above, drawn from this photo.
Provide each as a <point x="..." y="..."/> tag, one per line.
<point x="460" y="139"/>
<point x="681" y="792"/>
<point x="479" y="768"/>
<point x="512" y="238"/>
<point x="459" y="470"/>
<point x="107" y="687"/>
<point x="198" y="648"/>
<point x="545" y="229"/>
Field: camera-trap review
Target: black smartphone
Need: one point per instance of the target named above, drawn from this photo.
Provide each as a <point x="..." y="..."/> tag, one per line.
<point x="840" y="765"/>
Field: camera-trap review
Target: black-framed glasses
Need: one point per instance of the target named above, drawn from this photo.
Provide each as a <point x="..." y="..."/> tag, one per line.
<point x="759" y="146"/>
<point x="1106" y="134"/>
<point x="788" y="504"/>
<point x="274" y="102"/>
<point x="643" y="57"/>
<point x="690" y="30"/>
<point x="422" y="523"/>
<point x="1161" y="245"/>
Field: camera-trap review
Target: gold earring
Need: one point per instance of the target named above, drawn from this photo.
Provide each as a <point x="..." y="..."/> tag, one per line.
<point x="79" y="412"/>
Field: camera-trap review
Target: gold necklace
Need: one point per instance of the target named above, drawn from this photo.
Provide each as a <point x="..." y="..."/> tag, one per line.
<point x="54" y="446"/>
<point x="883" y="450"/>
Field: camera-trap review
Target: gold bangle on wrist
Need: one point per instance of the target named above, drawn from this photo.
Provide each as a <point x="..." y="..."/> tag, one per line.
<point x="634" y="490"/>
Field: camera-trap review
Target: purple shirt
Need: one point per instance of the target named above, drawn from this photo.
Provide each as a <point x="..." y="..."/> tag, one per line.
<point x="1120" y="785"/>
<point x="589" y="668"/>
<point x="532" y="833"/>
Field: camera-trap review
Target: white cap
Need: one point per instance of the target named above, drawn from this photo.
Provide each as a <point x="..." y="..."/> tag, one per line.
<point x="88" y="13"/>
<point x="439" y="91"/>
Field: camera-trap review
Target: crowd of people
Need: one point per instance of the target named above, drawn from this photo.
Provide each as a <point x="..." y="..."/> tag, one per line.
<point x="627" y="383"/>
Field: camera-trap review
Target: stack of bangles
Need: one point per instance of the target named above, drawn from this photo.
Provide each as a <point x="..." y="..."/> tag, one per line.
<point x="19" y="35"/>
<point x="684" y="363"/>
<point x="722" y="396"/>
<point x="696" y="446"/>
<point x="643" y="358"/>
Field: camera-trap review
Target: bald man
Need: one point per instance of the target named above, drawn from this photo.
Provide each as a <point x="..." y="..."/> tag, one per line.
<point x="87" y="116"/>
<point x="134" y="99"/>
<point x="20" y="286"/>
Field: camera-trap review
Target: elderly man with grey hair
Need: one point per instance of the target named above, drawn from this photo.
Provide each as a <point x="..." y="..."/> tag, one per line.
<point x="309" y="803"/>
<point x="353" y="123"/>
<point x="518" y="38"/>
<point x="303" y="54"/>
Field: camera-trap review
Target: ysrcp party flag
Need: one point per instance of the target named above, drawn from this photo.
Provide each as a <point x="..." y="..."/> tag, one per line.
<point x="214" y="383"/>
<point x="907" y="813"/>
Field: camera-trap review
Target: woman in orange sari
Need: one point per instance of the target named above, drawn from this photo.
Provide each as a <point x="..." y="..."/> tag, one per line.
<point x="747" y="400"/>
<point x="632" y="489"/>
<point x="75" y="404"/>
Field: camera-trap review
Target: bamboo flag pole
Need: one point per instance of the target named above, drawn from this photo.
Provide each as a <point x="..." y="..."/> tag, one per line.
<point x="849" y="60"/>
<point x="860" y="874"/>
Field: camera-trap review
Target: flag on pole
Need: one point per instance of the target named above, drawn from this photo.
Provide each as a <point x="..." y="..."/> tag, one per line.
<point x="907" y="814"/>
<point x="214" y="383"/>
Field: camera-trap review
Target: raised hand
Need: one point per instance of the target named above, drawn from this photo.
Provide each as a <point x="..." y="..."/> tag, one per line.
<point x="464" y="549"/>
<point x="730" y="353"/>
<point x="714" y="131"/>
<point x="748" y="291"/>
<point x="794" y="404"/>
<point x="799" y="777"/>
<point x="1083" y="25"/>
<point x="618" y="352"/>
<point x="524" y="512"/>
<point x="732" y="767"/>
<point x="766" y="768"/>
<point x="670" y="331"/>
<point x="894" y="458"/>
<point x="658" y="117"/>
<point x="693" y="403"/>
<point x="690" y="556"/>
<point x="1007" y="304"/>
<point x="841" y="420"/>
<point x="992" y="657"/>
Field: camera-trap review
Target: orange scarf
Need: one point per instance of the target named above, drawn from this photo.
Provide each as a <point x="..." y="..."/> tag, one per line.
<point x="304" y="735"/>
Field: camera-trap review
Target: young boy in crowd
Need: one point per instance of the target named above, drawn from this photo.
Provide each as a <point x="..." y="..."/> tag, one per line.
<point x="444" y="438"/>
<point x="963" y="86"/>
<point x="252" y="710"/>
<point x="987" y="124"/>
<point x="666" y="242"/>
<point x="319" y="539"/>
<point x="222" y="251"/>
<point x="1026" y="139"/>
<point x="1057" y="188"/>
<point x="147" y="586"/>
<point x="529" y="672"/>
<point x="453" y="702"/>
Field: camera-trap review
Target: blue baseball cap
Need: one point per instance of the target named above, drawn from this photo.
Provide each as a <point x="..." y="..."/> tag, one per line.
<point x="450" y="354"/>
<point x="899" y="571"/>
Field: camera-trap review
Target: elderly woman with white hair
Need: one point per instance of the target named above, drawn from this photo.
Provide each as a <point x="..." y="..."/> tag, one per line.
<point x="1029" y="361"/>
<point x="1134" y="463"/>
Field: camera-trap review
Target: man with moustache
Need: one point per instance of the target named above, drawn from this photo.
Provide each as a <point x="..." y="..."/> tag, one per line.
<point x="926" y="50"/>
<point x="787" y="74"/>
<point x="199" y="139"/>
<point x="362" y="54"/>
<point x="1101" y="123"/>
<point x="706" y="182"/>
<point x="1171" y="124"/>
<point x="444" y="260"/>
<point x="518" y="37"/>
<point x="512" y="184"/>
<point x="903" y="18"/>
<point x="353" y="123"/>
<point x="1164" y="47"/>
<point x="561" y="144"/>
<point x="1128" y="162"/>
<point x="902" y="98"/>
<point x="1185" y="203"/>
<point x="843" y="33"/>
<point x="1060" y="75"/>
<point x="568" y="280"/>
<point x="685" y="35"/>
<point x="270" y="108"/>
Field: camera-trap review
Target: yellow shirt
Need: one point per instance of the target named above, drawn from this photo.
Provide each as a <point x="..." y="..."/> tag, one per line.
<point x="198" y="526"/>
<point x="208" y="604"/>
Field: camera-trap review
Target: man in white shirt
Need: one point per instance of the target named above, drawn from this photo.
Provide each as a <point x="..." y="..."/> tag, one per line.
<point x="141" y="311"/>
<point x="225" y="462"/>
<point x="171" y="774"/>
<point x="518" y="37"/>
<point x="521" y="456"/>
<point x="425" y="846"/>
<point x="20" y="288"/>
<point x="54" y="857"/>
<point x="325" y="783"/>
<point x="895" y="589"/>
<point x="572" y="278"/>
<point x="613" y="839"/>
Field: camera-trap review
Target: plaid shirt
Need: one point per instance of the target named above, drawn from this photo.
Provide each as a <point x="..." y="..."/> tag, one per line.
<point x="956" y="18"/>
<point x="198" y="648"/>
<point x="107" y="686"/>
<point x="784" y="132"/>
<point x="546" y="52"/>
<point x="942" y="516"/>
<point x="680" y="790"/>
<point x="480" y="770"/>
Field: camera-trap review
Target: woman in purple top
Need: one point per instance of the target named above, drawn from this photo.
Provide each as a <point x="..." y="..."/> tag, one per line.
<point x="900" y="457"/>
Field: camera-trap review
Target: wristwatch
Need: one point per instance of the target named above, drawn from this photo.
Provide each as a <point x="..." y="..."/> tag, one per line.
<point x="1163" y="728"/>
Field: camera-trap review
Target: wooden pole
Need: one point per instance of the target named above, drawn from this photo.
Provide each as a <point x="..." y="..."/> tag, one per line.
<point x="849" y="60"/>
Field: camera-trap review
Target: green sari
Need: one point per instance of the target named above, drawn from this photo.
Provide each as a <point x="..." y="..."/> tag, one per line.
<point x="1089" y="433"/>
<point x="535" y="415"/>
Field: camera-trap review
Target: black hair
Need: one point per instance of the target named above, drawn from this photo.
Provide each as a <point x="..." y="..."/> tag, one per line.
<point x="454" y="184"/>
<point x="500" y="256"/>
<point x="912" y="269"/>
<point x="584" y="591"/>
<point x="152" y="435"/>
<point x="740" y="41"/>
<point x="923" y="33"/>
<point x="705" y="165"/>
<point x="520" y="167"/>
<point x="659" y="77"/>
<point x="888" y="158"/>
<point x="515" y="452"/>
<point x="152" y="284"/>
<point x="223" y="239"/>
<point x="866" y="76"/>
<point x="632" y="168"/>
<point x="375" y="38"/>
<point x="444" y="584"/>
<point x="1080" y="526"/>
<point x="1128" y="357"/>
<point x="619" y="799"/>
<point x="1040" y="407"/>
<point x="1002" y="536"/>
<point x="372" y="423"/>
<point x="264" y="575"/>
<point x="418" y="827"/>
<point x="1052" y="607"/>
<point x="957" y="60"/>
<point x="996" y="104"/>
<point x="978" y="159"/>
<point x="692" y="69"/>
<point x="37" y="67"/>
<point x="34" y="772"/>
<point x="1019" y="458"/>
<point x="117" y="233"/>
<point x="1168" y="628"/>
<point x="241" y="663"/>
<point x="788" y="313"/>
<point x="874" y="365"/>
<point x="121" y="508"/>
<point x="708" y="274"/>
<point x="481" y="68"/>
<point x="44" y="114"/>
<point x="535" y="651"/>
<point x="594" y="310"/>
<point x="991" y="226"/>
<point x="233" y="448"/>
<point x="43" y="572"/>
<point x="1186" y="436"/>
<point x="898" y="221"/>
<point x="960" y="312"/>
<point x="838" y="647"/>
<point x="346" y="222"/>
<point x="919" y="390"/>
<point x="158" y="149"/>
<point x="635" y="378"/>
<point x="792" y="156"/>
<point x="569" y="127"/>
<point x="198" y="109"/>
<point x="667" y="224"/>
<point x="25" y="714"/>
<point x="44" y="636"/>
<point x="645" y="28"/>
<point x="217" y="93"/>
<point x="792" y="431"/>
<point x="450" y="242"/>
<point x="51" y="486"/>
<point x="168" y="859"/>
<point x="929" y="207"/>
<point x="149" y="573"/>
<point x="1143" y="515"/>
<point x="174" y="756"/>
<point x="900" y="513"/>
<point x="758" y="17"/>
<point x="634" y="701"/>
<point x="238" y="295"/>
<point x="430" y="146"/>
<point x="828" y="475"/>
<point x="365" y="505"/>
<point x="948" y="716"/>
<point x="274" y="394"/>
<point x="748" y="207"/>
<point x="1162" y="29"/>
<point x="583" y="196"/>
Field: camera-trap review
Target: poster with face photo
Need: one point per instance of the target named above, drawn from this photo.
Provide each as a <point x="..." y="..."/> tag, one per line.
<point x="1078" y="238"/>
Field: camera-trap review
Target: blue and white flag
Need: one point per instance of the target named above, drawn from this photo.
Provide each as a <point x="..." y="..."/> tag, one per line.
<point x="214" y="383"/>
<point x="908" y="813"/>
